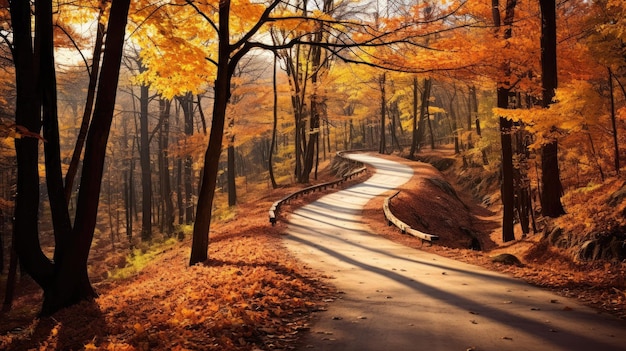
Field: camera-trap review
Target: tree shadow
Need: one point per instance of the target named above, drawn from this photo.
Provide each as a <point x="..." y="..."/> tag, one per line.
<point x="69" y="329"/>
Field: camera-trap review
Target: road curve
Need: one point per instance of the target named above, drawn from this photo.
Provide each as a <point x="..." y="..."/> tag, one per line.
<point x="397" y="298"/>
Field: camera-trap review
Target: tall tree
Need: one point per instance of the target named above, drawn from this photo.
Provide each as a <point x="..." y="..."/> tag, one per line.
<point x="186" y="103"/>
<point x="91" y="93"/>
<point x="415" y="119"/>
<point x="164" y="167"/>
<point x="64" y="281"/>
<point x="382" y="81"/>
<point x="270" y="158"/>
<point x="506" y="125"/>
<point x="550" y="175"/>
<point x="144" y="162"/>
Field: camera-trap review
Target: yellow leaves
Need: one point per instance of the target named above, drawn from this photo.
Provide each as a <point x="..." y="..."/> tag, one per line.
<point x="177" y="67"/>
<point x="577" y="106"/>
<point x="244" y="14"/>
<point x="175" y="43"/>
<point x="435" y="109"/>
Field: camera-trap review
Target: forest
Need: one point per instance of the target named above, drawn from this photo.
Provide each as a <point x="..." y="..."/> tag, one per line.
<point x="132" y="128"/>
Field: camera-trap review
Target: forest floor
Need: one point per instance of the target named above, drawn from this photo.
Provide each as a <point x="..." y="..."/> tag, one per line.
<point x="253" y="295"/>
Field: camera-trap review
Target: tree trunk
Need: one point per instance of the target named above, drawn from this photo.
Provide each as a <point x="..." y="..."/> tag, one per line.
<point x="186" y="104"/>
<point x="200" y="242"/>
<point x="232" y="187"/>
<point x="382" y="148"/>
<point x="166" y="186"/>
<point x="270" y="165"/>
<point x="550" y="176"/>
<point x="297" y="96"/>
<point x="128" y="202"/>
<point x="144" y="160"/>
<point x="394" y="115"/>
<point x="52" y="147"/>
<point x="431" y="131"/>
<point x="613" y="123"/>
<point x="314" y="116"/>
<point x="25" y="227"/>
<point x="415" y="125"/>
<point x="423" y="112"/>
<point x="91" y="93"/>
<point x="179" y="191"/>
<point x="507" y="187"/>
<point x="71" y="282"/>
<point x="474" y="111"/>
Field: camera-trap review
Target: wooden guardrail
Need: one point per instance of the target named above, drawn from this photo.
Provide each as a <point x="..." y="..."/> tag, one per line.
<point x="273" y="212"/>
<point x="405" y="228"/>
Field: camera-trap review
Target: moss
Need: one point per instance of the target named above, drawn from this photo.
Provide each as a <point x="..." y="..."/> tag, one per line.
<point x="140" y="257"/>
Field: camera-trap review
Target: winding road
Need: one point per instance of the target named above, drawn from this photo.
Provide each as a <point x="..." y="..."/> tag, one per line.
<point x="396" y="298"/>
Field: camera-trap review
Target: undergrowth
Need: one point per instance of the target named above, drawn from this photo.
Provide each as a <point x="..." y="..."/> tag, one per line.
<point x="140" y="257"/>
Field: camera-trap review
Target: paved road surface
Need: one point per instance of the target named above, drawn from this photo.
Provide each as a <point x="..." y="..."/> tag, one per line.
<point x="398" y="298"/>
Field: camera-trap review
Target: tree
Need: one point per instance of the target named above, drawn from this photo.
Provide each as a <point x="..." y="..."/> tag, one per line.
<point x="64" y="281"/>
<point x="144" y="162"/>
<point x="550" y="176"/>
<point x="164" y="171"/>
<point x="382" y="149"/>
<point x="270" y="159"/>
<point x="506" y="126"/>
<point x="91" y="93"/>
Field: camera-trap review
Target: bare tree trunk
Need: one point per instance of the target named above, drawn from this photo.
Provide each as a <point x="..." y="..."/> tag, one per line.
<point x="550" y="175"/>
<point x="128" y="201"/>
<point x="507" y="188"/>
<point x="144" y="161"/>
<point x="200" y="242"/>
<point x="25" y="228"/>
<point x="394" y="115"/>
<point x="270" y="165"/>
<point x="91" y="93"/>
<point x="186" y="104"/>
<point x="414" y="133"/>
<point x="232" y="188"/>
<point x="382" y="148"/>
<point x="613" y="123"/>
<point x="164" y="162"/>
<point x="69" y="283"/>
<point x="424" y="115"/>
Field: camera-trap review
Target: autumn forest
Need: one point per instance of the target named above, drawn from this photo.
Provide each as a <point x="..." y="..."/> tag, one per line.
<point x="131" y="130"/>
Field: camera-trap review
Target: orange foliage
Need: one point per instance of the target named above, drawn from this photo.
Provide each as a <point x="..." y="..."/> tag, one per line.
<point x="251" y="294"/>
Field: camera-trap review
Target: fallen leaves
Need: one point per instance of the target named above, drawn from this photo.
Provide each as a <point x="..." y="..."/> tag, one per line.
<point x="250" y="295"/>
